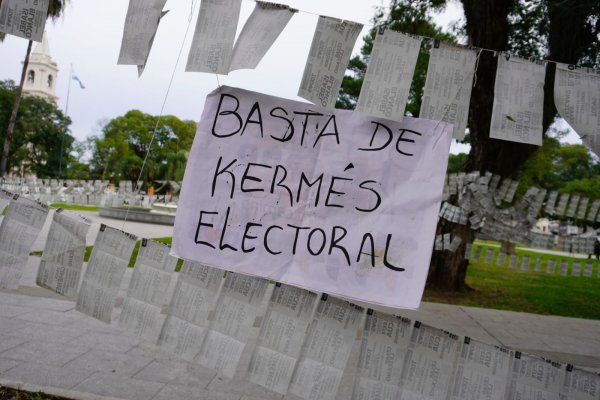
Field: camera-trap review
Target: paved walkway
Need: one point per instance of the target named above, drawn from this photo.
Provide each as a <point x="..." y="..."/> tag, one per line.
<point x="46" y="345"/>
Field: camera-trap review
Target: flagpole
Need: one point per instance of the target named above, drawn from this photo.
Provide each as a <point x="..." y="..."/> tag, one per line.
<point x="62" y="138"/>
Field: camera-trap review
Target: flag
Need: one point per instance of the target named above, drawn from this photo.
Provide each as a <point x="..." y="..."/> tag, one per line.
<point x="76" y="78"/>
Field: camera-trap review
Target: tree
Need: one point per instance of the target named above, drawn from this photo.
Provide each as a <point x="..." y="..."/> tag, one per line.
<point x="120" y="150"/>
<point x="39" y="128"/>
<point x="55" y="9"/>
<point x="566" y="31"/>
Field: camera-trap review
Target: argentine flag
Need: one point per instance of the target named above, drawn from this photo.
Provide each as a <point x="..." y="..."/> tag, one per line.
<point x="76" y="78"/>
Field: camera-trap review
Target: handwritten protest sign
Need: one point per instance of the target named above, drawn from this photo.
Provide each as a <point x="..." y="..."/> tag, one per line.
<point x="330" y="201"/>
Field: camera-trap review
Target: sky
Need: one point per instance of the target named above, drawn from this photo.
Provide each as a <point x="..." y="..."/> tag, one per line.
<point x="88" y="37"/>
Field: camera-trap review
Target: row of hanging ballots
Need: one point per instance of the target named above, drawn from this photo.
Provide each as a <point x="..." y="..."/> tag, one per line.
<point x="518" y="92"/>
<point x="297" y="343"/>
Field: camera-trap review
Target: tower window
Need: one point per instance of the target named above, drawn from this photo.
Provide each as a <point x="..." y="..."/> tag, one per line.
<point x="30" y="77"/>
<point x="50" y="78"/>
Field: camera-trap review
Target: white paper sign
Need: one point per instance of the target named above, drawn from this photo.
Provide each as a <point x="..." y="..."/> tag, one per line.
<point x="62" y="259"/>
<point x="580" y="385"/>
<point x="577" y="95"/>
<point x="518" y="100"/>
<point x="141" y="24"/>
<point x="447" y="91"/>
<point x="212" y="44"/>
<point x="23" y="221"/>
<point x="259" y="33"/>
<point x="193" y="300"/>
<point x="104" y="273"/>
<point x="327" y="61"/>
<point x="384" y="345"/>
<point x="533" y="378"/>
<point x="317" y="207"/>
<point x="24" y="18"/>
<point x="325" y="353"/>
<point x="389" y="75"/>
<point x="238" y="307"/>
<point x="281" y="336"/>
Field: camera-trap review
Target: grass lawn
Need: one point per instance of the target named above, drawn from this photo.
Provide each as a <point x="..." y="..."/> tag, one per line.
<point x="512" y="289"/>
<point x="7" y="393"/>
<point x="74" y="207"/>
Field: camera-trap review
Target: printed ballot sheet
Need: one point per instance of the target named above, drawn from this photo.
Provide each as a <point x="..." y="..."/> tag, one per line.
<point x="577" y="95"/>
<point x="389" y="75"/>
<point x="384" y="344"/>
<point x="62" y="259"/>
<point x="326" y="349"/>
<point x="533" y="378"/>
<point x="328" y="58"/>
<point x="24" y="18"/>
<point x="481" y="372"/>
<point x="579" y="384"/>
<point x="447" y="91"/>
<point x="141" y="24"/>
<point x="104" y="273"/>
<point x="147" y="291"/>
<point x="212" y="45"/>
<point x="239" y="305"/>
<point x="262" y="28"/>
<point x="429" y="363"/>
<point x="20" y="227"/>
<point x="281" y="335"/>
<point x="518" y="100"/>
<point x="193" y="301"/>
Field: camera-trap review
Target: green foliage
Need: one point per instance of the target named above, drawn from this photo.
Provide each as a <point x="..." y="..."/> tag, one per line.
<point x="119" y="152"/>
<point x="456" y="162"/>
<point x="40" y="129"/>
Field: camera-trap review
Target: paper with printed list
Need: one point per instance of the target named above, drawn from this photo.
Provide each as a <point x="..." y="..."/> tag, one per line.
<point x="481" y="372"/>
<point x="577" y="96"/>
<point x="212" y="44"/>
<point x="328" y="58"/>
<point x="193" y="301"/>
<point x="518" y="100"/>
<point x="262" y="28"/>
<point x="146" y="295"/>
<point x="62" y="259"/>
<point x="384" y="345"/>
<point x="579" y="384"/>
<point x="24" y="18"/>
<point x="447" y="91"/>
<point x="282" y="333"/>
<point x="239" y="305"/>
<point x="386" y="85"/>
<point x="428" y="363"/>
<point x="533" y="378"/>
<point x="326" y="349"/>
<point x="20" y="227"/>
<point x="141" y="24"/>
<point x="104" y="273"/>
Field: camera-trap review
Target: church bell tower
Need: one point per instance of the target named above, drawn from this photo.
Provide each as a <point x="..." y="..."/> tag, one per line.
<point x="40" y="78"/>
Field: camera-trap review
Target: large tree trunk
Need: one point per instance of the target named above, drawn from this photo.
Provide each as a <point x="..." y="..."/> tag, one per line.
<point x="488" y="27"/>
<point x="13" y="116"/>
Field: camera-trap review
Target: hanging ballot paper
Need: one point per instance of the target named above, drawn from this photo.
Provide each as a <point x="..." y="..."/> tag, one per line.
<point x="579" y="384"/>
<point x="263" y="27"/>
<point x="104" y="273"/>
<point x="429" y="363"/>
<point x="238" y="307"/>
<point x="280" y="339"/>
<point x="481" y="372"/>
<point x="447" y="91"/>
<point x="212" y="44"/>
<point x="573" y="206"/>
<point x="193" y="300"/>
<point x="328" y="58"/>
<point x="147" y="290"/>
<point x="577" y="95"/>
<point x="533" y="378"/>
<point x="333" y="202"/>
<point x="141" y="24"/>
<point x="518" y="100"/>
<point x="326" y="349"/>
<point x="62" y="259"/>
<point x="24" y="18"/>
<point x="384" y="345"/>
<point x="386" y="85"/>
<point x="23" y="221"/>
